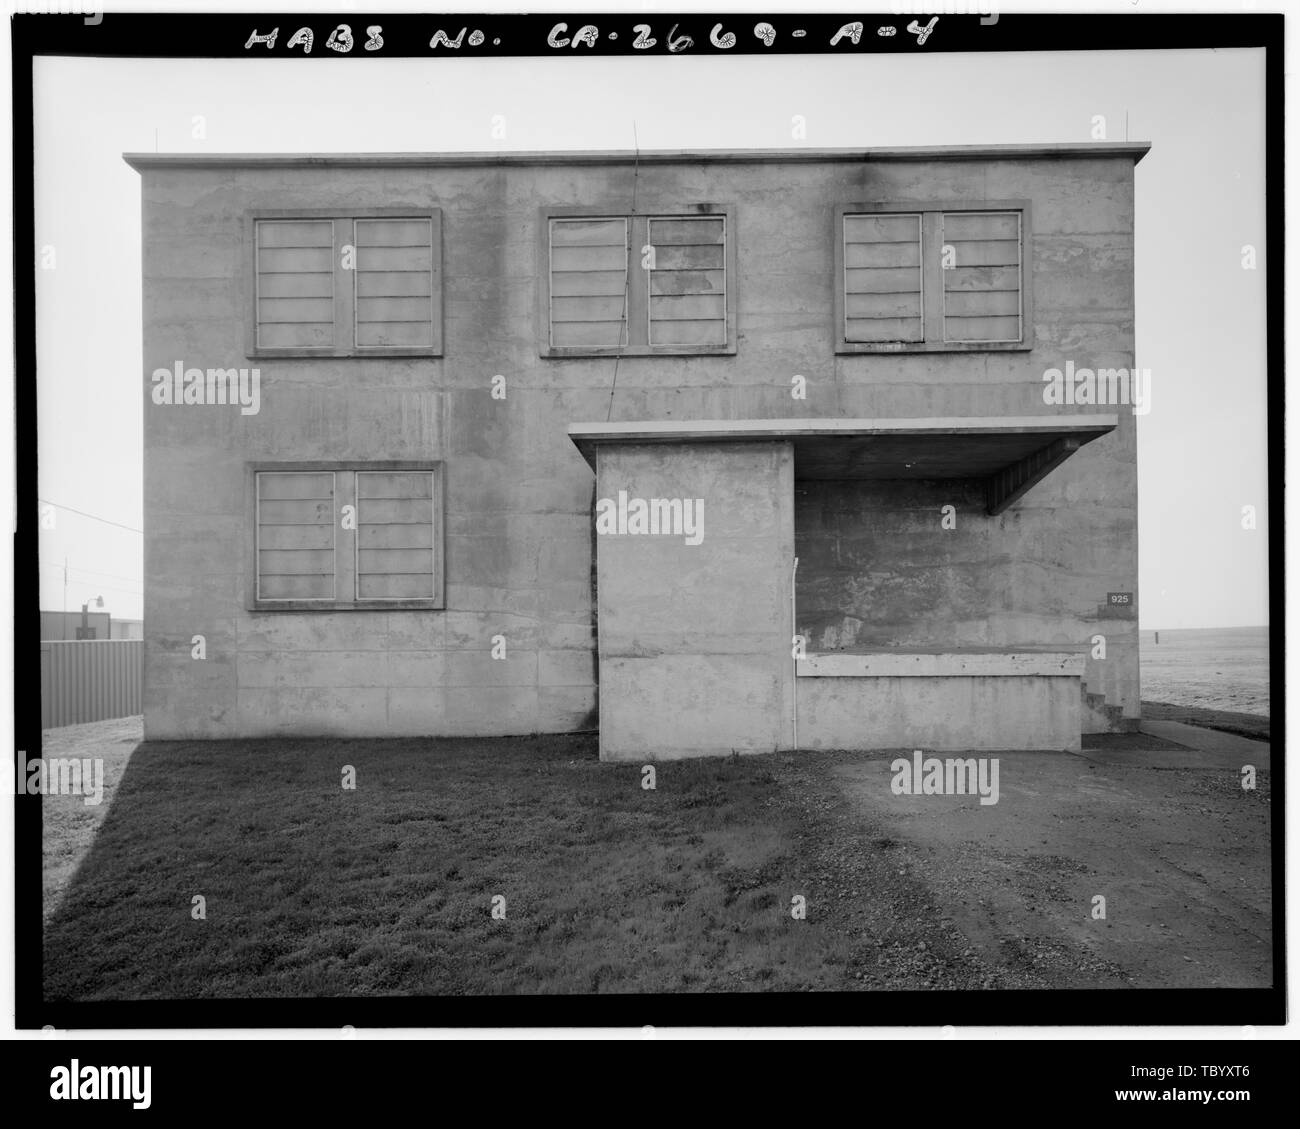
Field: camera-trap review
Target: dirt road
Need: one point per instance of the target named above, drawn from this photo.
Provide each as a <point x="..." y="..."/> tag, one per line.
<point x="1180" y="855"/>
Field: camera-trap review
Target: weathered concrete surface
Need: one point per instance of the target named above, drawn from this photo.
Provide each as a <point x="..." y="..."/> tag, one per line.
<point x="939" y="714"/>
<point x="878" y="569"/>
<point x="518" y="531"/>
<point x="941" y="664"/>
<point x="695" y="639"/>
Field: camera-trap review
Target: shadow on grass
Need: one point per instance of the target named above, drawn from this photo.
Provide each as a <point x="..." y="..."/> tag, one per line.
<point x="311" y="889"/>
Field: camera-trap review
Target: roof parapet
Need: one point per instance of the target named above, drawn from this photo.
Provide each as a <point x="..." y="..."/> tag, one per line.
<point x="1134" y="150"/>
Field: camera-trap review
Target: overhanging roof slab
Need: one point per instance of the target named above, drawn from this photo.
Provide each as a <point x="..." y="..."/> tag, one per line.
<point x="1010" y="453"/>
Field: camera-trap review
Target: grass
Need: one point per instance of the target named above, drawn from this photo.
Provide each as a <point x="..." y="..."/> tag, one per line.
<point x="314" y="890"/>
<point x="1255" y="726"/>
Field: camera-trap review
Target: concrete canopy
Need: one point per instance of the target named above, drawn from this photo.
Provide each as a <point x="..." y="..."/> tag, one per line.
<point x="1010" y="454"/>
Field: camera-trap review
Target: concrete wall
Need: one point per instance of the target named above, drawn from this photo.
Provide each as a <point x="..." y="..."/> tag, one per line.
<point x="519" y="496"/>
<point x="877" y="569"/>
<point x="946" y="714"/>
<point x="695" y="639"/>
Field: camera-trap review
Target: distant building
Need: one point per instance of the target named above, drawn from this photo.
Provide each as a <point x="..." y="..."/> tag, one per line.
<point x="67" y="625"/>
<point x="467" y="444"/>
<point x="57" y="626"/>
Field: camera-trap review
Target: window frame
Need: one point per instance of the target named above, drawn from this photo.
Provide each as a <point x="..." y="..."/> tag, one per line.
<point x="344" y="221"/>
<point x="638" y="302"/>
<point x="346" y="559"/>
<point x="932" y="289"/>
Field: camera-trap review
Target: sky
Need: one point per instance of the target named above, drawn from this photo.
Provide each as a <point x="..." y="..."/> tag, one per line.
<point x="1202" y="451"/>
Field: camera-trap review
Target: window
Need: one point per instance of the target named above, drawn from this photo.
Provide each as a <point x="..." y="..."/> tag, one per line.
<point x="638" y="284"/>
<point x="882" y="278"/>
<point x="928" y="279"/>
<point x="368" y="284"/>
<point x="295" y="536"/>
<point x="347" y="535"/>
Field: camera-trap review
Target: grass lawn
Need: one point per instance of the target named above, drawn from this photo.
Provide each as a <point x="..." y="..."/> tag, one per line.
<point x="314" y="890"/>
<point x="1255" y="726"/>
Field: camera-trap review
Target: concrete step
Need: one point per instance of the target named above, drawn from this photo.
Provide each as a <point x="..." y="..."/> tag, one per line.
<point x="1099" y="716"/>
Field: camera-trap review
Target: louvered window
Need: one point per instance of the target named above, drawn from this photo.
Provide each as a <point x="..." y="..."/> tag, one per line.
<point x="346" y="535"/>
<point x="981" y="283"/>
<point x="639" y="284"/>
<point x="882" y="278"/>
<point x="347" y="286"/>
<point x="920" y="279"/>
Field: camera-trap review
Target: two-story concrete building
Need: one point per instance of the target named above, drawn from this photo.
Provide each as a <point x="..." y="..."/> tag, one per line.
<point x="464" y="444"/>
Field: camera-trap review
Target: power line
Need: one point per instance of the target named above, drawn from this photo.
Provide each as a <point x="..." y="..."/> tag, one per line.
<point x="94" y="517"/>
<point x="57" y="571"/>
<point x="111" y="575"/>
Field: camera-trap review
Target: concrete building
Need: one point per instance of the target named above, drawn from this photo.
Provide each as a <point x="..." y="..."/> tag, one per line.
<point x="513" y="443"/>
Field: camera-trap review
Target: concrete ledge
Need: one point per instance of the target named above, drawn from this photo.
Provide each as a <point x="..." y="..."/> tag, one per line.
<point x="902" y="664"/>
<point x="1010" y="452"/>
<point x="721" y="430"/>
<point x="939" y="714"/>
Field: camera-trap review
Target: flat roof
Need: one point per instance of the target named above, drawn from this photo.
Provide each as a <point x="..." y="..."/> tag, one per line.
<point x="1010" y="453"/>
<point x="1133" y="150"/>
<point x="1004" y="429"/>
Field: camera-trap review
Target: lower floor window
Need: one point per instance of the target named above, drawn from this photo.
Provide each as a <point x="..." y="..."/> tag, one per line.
<point x="346" y="536"/>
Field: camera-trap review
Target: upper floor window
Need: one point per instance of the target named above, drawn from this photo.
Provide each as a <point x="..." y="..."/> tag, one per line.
<point x="365" y="284"/>
<point x="638" y="284"/>
<point x="925" y="279"/>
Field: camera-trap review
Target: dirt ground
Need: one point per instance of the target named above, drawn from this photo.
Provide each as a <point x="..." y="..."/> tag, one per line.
<point x="68" y="823"/>
<point x="1181" y="856"/>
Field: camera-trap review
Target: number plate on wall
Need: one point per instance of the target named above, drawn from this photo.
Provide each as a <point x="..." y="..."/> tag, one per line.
<point x="1118" y="605"/>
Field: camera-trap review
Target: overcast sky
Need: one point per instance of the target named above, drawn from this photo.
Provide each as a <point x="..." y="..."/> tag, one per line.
<point x="1202" y="452"/>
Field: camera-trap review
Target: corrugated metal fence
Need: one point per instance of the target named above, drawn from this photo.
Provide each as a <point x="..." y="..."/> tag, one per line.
<point x="90" y="680"/>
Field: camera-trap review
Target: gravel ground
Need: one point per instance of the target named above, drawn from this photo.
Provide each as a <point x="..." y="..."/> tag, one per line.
<point x="1002" y="896"/>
